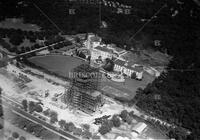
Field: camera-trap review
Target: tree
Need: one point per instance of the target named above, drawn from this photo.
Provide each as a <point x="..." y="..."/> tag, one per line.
<point x="46" y="112"/>
<point x="124" y="114"/>
<point x="128" y="119"/>
<point x="22" y="138"/>
<point x="10" y="138"/>
<point x="1" y="126"/>
<point x="37" y="130"/>
<point x="133" y="75"/>
<point x="30" y="127"/>
<point x="104" y="129"/>
<point x="116" y="121"/>
<point x="109" y="65"/>
<point x="16" y="39"/>
<point x="69" y="127"/>
<point x="25" y="104"/>
<point x="77" y="131"/>
<point x="53" y="119"/>
<point x="96" y="137"/>
<point x="23" y="49"/>
<point x="81" y="54"/>
<point x="38" y="108"/>
<point x="62" y="123"/>
<point x="31" y="106"/>
<point x="131" y="114"/>
<point x="15" y="135"/>
<point x="53" y="113"/>
<point x="77" y="39"/>
<point x="89" y="58"/>
<point x="86" y="134"/>
<point x="86" y="126"/>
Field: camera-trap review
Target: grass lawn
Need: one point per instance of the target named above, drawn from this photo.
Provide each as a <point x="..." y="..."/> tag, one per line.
<point x="59" y="64"/>
<point x="62" y="65"/>
<point x="126" y="89"/>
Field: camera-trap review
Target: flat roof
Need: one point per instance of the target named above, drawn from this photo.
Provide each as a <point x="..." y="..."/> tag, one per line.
<point x="119" y="62"/>
<point x="117" y="49"/>
<point x="104" y="49"/>
<point x="128" y="65"/>
<point x="139" y="127"/>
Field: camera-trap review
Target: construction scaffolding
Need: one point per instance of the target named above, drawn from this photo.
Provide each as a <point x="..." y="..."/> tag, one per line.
<point x="84" y="93"/>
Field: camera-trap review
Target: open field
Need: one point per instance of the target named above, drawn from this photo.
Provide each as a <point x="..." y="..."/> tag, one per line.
<point x="59" y="64"/>
<point x="127" y="89"/>
<point x="62" y="65"/>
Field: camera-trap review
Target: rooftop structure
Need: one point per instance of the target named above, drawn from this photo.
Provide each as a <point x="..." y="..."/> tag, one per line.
<point x="83" y="93"/>
<point x="105" y="49"/>
<point x="138" y="128"/>
<point x="128" y="68"/>
<point x="117" y="50"/>
<point x="92" y="41"/>
<point x="102" y="52"/>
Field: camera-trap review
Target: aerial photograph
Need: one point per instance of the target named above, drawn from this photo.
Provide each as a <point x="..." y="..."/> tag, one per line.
<point x="100" y="70"/>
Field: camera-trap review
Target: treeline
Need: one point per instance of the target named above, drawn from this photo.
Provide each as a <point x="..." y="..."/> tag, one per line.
<point x="120" y="27"/>
<point x="17" y="36"/>
<point x="174" y="96"/>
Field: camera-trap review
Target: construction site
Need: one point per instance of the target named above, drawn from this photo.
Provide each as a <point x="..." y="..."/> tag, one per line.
<point x="84" y="93"/>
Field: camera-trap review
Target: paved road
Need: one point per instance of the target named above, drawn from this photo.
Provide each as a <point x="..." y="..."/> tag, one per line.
<point x="16" y="109"/>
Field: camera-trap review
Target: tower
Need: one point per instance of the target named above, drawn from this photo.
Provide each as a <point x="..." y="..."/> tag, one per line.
<point x="83" y="93"/>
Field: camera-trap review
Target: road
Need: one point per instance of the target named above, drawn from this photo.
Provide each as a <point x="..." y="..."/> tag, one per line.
<point x="32" y="51"/>
<point x="17" y="109"/>
<point x="22" y="54"/>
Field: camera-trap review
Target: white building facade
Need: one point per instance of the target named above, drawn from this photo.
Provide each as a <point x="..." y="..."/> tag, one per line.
<point x="128" y="69"/>
<point x="101" y="52"/>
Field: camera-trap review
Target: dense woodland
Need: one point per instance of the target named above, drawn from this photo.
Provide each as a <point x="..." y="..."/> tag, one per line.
<point x="179" y="87"/>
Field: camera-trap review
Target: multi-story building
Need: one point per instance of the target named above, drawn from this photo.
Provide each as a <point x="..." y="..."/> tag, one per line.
<point x="92" y="41"/>
<point x="128" y="68"/>
<point x="84" y="93"/>
<point x="101" y="53"/>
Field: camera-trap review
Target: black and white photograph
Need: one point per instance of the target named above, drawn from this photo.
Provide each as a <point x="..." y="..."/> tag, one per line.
<point x="99" y="69"/>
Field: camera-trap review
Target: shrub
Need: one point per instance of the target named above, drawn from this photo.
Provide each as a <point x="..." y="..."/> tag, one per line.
<point x="62" y="123"/>
<point x="1" y="126"/>
<point x="69" y="127"/>
<point x="116" y="121"/>
<point x="10" y="138"/>
<point x="133" y="75"/>
<point x="77" y="131"/>
<point x="22" y="138"/>
<point x="105" y="127"/>
<point x="124" y="114"/>
<point x="15" y="135"/>
<point x="86" y="134"/>
<point x="86" y="126"/>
